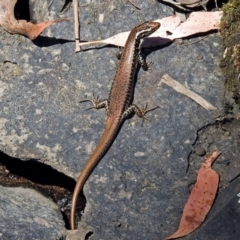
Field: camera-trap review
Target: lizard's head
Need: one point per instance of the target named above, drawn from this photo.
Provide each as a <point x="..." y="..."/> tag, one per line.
<point x="145" y="29"/>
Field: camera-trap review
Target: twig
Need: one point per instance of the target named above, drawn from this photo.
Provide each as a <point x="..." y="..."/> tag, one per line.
<point x="198" y="40"/>
<point x="76" y="25"/>
<point x="185" y="91"/>
<point x="132" y="2"/>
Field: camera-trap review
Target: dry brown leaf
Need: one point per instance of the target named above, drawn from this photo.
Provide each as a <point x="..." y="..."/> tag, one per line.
<point x="171" y="28"/>
<point x="188" y="3"/>
<point x="196" y="23"/>
<point x="192" y="3"/>
<point x="200" y="200"/>
<point x="8" y="21"/>
<point x="185" y="91"/>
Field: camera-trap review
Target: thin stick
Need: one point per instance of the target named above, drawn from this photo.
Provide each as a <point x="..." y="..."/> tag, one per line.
<point x="185" y="91"/>
<point x="132" y="2"/>
<point x="76" y="25"/>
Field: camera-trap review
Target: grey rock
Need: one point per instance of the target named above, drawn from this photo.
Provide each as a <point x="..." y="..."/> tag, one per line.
<point x="25" y="215"/>
<point x="139" y="188"/>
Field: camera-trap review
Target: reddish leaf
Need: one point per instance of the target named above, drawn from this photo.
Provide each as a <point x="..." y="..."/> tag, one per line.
<point x="200" y="199"/>
<point x="8" y="21"/>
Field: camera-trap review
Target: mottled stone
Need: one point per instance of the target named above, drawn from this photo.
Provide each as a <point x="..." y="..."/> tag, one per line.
<point x="139" y="188"/>
<point x="26" y="214"/>
<point x="199" y="150"/>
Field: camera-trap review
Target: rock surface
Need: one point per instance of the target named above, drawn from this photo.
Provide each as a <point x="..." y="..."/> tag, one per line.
<point x="139" y="188"/>
<point x="26" y="214"/>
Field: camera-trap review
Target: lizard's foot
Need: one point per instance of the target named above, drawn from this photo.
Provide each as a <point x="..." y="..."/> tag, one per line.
<point x="97" y="104"/>
<point x="141" y="112"/>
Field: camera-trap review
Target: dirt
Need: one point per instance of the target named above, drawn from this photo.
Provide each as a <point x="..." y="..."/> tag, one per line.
<point x="222" y="136"/>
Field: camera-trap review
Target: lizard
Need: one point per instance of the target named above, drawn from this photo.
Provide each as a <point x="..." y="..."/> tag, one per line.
<point x="118" y="103"/>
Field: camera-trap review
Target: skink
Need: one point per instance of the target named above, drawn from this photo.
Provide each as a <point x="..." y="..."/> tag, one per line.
<point x="118" y="103"/>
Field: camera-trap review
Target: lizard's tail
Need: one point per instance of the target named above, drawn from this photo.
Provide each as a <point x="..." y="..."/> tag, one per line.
<point x="104" y="144"/>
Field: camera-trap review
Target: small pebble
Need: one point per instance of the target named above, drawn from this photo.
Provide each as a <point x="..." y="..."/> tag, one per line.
<point x="199" y="150"/>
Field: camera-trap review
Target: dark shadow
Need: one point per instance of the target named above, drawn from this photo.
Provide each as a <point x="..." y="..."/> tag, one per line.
<point x="37" y="172"/>
<point x="42" y="41"/>
<point x="211" y="4"/>
<point x="65" y="5"/>
<point x="21" y="10"/>
<point x="88" y="235"/>
<point x="43" y="178"/>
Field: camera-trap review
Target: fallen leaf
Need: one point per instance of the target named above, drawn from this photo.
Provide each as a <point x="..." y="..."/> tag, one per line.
<point x="9" y="23"/>
<point x="200" y="200"/>
<point x="188" y="3"/>
<point x="171" y="28"/>
<point x="196" y="23"/>
<point x="187" y="92"/>
<point x="193" y="3"/>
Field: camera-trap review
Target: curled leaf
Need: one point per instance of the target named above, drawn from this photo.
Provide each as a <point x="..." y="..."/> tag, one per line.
<point x="200" y="200"/>
<point x="8" y="21"/>
<point x="171" y="28"/>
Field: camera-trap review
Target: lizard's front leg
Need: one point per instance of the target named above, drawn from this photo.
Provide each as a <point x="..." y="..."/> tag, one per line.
<point x="141" y="60"/>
